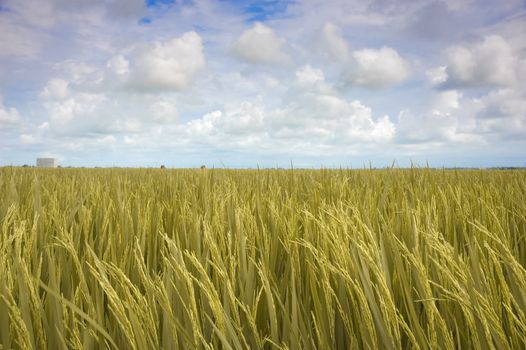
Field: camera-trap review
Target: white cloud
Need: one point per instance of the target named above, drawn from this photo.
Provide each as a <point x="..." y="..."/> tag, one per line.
<point x="9" y="116"/>
<point x="368" y="67"/>
<point x="87" y="114"/>
<point x="118" y="65"/>
<point x="163" y="110"/>
<point x="307" y="76"/>
<point x="437" y="75"/>
<point x="79" y="72"/>
<point x="55" y="89"/>
<point x="446" y="101"/>
<point x="260" y="44"/>
<point x="294" y="127"/>
<point x="312" y="119"/>
<point x="106" y="140"/>
<point x="446" y="119"/>
<point x="434" y="127"/>
<point x="231" y="125"/>
<point x="27" y="139"/>
<point x="73" y="109"/>
<point x="502" y="113"/>
<point x="169" y="65"/>
<point x="452" y="118"/>
<point x="378" y="68"/>
<point x="490" y="62"/>
<point x="334" y="43"/>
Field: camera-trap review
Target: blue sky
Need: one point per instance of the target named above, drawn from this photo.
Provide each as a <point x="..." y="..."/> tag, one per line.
<point x="246" y="83"/>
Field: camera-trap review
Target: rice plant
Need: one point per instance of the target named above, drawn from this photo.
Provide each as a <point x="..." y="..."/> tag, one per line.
<point x="262" y="259"/>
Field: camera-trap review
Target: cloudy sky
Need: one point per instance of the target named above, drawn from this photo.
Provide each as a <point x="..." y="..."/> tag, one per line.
<point x="246" y="83"/>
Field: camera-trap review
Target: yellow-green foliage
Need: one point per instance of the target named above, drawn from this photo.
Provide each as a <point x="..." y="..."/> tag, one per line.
<point x="238" y="259"/>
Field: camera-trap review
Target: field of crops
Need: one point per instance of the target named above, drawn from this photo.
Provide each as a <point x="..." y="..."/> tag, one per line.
<point x="249" y="259"/>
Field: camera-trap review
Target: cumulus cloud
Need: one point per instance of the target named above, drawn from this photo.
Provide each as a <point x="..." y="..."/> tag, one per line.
<point x="163" y="110"/>
<point x="437" y="75"/>
<point x="295" y="127"/>
<point x="312" y="118"/>
<point x="89" y="101"/>
<point x="118" y="65"/>
<point x="27" y="139"/>
<point x="452" y="118"/>
<point x="78" y="72"/>
<point x="167" y="65"/>
<point x="260" y="44"/>
<point x="427" y="128"/>
<point x="367" y="67"/>
<point x="329" y="120"/>
<point x="491" y="62"/>
<point x="498" y="114"/>
<point x="81" y="112"/>
<point x="237" y="121"/>
<point x="502" y="113"/>
<point x="446" y="101"/>
<point x="161" y="66"/>
<point x="446" y="120"/>
<point x="9" y="116"/>
<point x="55" y="89"/>
<point x="73" y="108"/>
<point x="333" y="43"/>
<point x="308" y="76"/>
<point x="378" y="68"/>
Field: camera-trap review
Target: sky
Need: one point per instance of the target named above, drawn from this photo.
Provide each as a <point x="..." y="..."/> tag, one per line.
<point x="313" y="83"/>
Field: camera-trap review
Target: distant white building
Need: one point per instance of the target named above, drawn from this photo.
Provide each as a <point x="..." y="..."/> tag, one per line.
<point x="47" y="162"/>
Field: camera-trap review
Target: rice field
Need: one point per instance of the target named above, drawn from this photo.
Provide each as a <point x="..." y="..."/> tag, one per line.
<point x="262" y="259"/>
